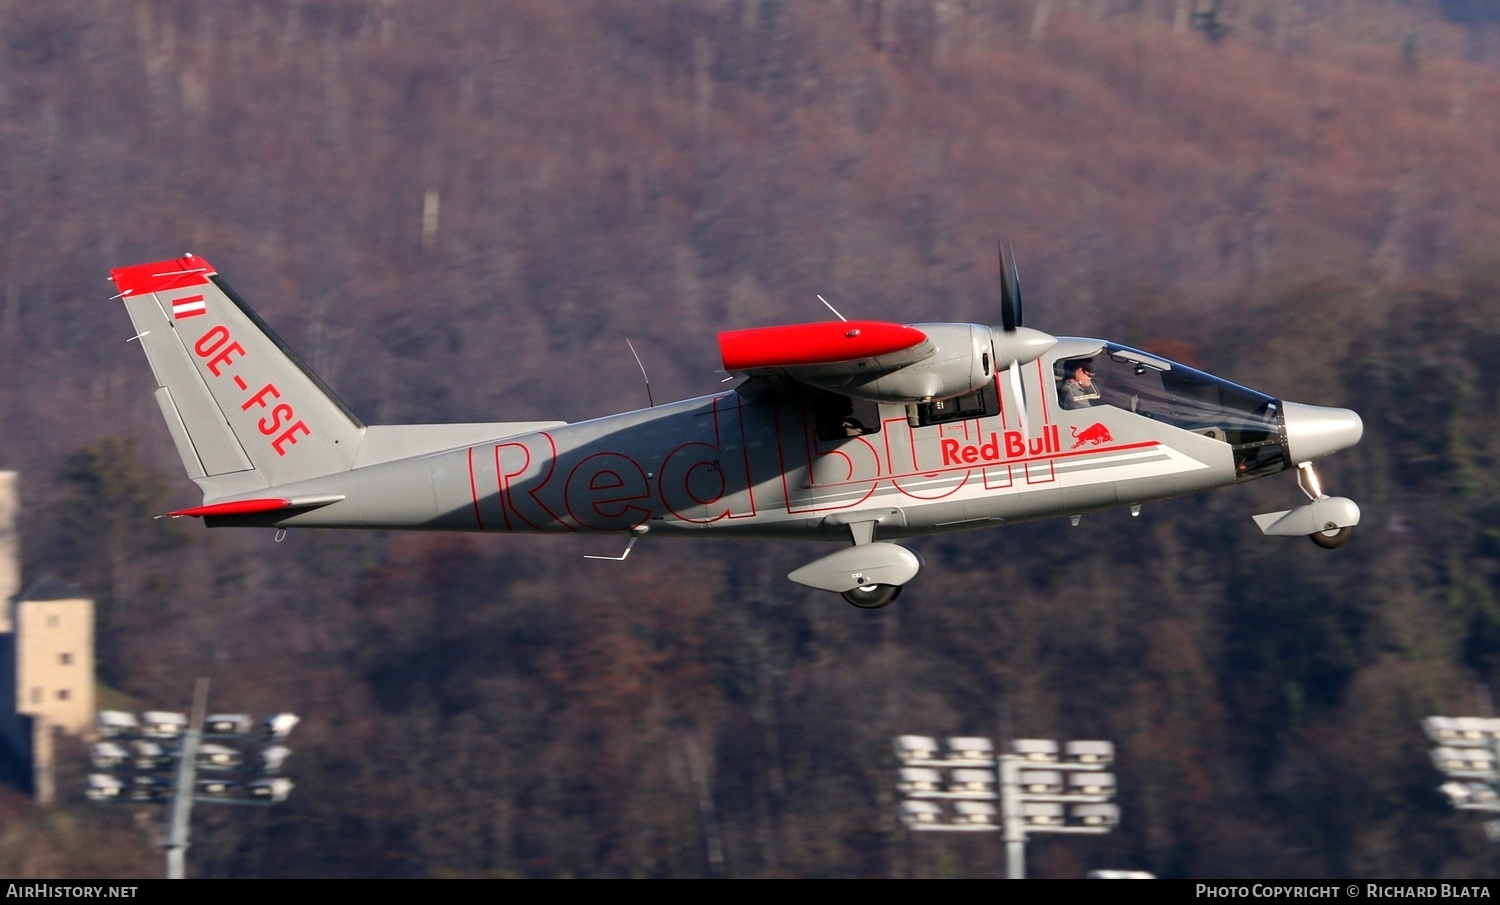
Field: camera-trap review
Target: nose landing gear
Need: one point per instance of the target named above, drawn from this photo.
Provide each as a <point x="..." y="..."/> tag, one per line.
<point x="1326" y="520"/>
<point x="1329" y="538"/>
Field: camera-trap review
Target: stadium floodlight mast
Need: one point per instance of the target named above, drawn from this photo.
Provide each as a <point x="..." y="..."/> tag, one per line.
<point x="1038" y="786"/>
<point x="1467" y="753"/>
<point x="156" y="760"/>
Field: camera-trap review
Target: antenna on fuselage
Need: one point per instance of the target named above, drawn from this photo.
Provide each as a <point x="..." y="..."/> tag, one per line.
<point x="833" y="309"/>
<point x="643" y="371"/>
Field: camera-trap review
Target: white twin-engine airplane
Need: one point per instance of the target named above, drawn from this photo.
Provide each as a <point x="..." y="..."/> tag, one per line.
<point x="860" y="431"/>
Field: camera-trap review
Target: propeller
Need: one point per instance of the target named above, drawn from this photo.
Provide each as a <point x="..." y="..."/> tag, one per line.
<point x="1010" y="292"/>
<point x="1010" y="321"/>
<point x="1015" y="344"/>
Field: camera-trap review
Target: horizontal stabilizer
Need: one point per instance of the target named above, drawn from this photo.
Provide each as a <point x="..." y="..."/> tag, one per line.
<point x="256" y="506"/>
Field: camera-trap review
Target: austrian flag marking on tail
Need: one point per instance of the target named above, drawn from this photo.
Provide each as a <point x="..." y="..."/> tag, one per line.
<point x="189" y="306"/>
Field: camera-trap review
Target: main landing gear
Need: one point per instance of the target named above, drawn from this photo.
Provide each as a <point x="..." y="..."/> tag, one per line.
<point x="1328" y="540"/>
<point x="869" y="574"/>
<point x="873" y="596"/>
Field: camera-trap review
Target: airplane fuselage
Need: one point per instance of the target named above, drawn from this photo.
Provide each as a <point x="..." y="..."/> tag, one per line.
<point x="861" y="431"/>
<point x="762" y="466"/>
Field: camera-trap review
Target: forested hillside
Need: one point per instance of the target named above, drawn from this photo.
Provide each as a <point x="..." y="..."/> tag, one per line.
<point x="459" y="211"/>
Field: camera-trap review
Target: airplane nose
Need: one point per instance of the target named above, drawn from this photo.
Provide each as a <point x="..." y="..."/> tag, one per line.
<point x="1314" y="430"/>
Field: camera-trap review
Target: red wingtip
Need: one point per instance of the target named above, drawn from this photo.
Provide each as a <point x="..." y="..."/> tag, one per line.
<point x="160" y="276"/>
<point x="236" y="507"/>
<point x="808" y="344"/>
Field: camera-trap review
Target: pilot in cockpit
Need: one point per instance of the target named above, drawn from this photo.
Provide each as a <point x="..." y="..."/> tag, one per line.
<point x="1078" y="390"/>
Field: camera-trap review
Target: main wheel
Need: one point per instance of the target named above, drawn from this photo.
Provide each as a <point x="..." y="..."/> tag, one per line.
<point x="873" y="596"/>
<point x="1331" y="539"/>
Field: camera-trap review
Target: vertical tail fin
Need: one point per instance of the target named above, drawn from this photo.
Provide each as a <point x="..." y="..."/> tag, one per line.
<point x="244" y="411"/>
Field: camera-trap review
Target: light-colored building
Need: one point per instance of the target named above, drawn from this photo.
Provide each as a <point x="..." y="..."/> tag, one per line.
<point x="54" y="655"/>
<point x="46" y="657"/>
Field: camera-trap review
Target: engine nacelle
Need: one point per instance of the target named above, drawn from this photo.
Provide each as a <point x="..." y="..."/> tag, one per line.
<point x="959" y="362"/>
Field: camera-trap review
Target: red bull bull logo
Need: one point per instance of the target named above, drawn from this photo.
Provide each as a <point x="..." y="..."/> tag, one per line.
<point x="1094" y="435"/>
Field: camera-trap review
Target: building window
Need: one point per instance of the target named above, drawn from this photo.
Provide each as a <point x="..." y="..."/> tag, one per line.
<point x="62" y="694"/>
<point x="36" y="696"/>
<point x="52" y="621"/>
<point x="67" y="659"/>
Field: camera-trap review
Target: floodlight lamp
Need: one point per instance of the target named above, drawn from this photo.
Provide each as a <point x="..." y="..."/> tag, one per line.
<point x="1439" y="729"/>
<point x="1457" y="793"/>
<point x="920" y="779"/>
<point x="1473" y="728"/>
<point x="1479" y="759"/>
<point x="971" y="748"/>
<point x="150" y="755"/>
<point x="103" y="787"/>
<point x="271" y="790"/>
<point x="1092" y="783"/>
<point x="971" y="780"/>
<point x="1448" y="759"/>
<point x="920" y="812"/>
<point x="1096" y="814"/>
<point x="1041" y="782"/>
<point x="107" y="755"/>
<point x="1089" y="751"/>
<point x="228" y="724"/>
<point x="216" y="788"/>
<point x="163" y="724"/>
<point x="1036" y="749"/>
<point x="218" y="757"/>
<point x="279" y="726"/>
<point x="916" y="747"/>
<point x="981" y="812"/>
<point x="1042" y="813"/>
<point x="114" y="723"/>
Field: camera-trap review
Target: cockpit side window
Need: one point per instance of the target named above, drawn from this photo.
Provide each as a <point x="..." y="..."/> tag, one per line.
<point x="1076" y="388"/>
<point x="1181" y="396"/>
<point x="1108" y="379"/>
<point x="838" y="416"/>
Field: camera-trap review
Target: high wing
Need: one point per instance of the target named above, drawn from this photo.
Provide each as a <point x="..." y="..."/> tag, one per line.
<point x="847" y="346"/>
<point x="880" y="361"/>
